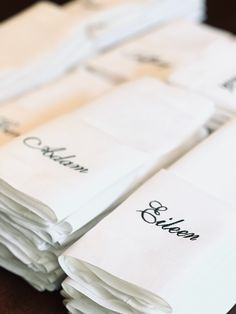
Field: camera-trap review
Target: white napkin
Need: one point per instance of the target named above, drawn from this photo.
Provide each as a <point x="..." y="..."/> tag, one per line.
<point x="45" y="53"/>
<point x="169" y="248"/>
<point x="112" y="115"/>
<point x="56" y="42"/>
<point x="73" y="90"/>
<point x="60" y="179"/>
<point x="214" y="156"/>
<point x="130" y="17"/>
<point x="159" y="53"/>
<point x="213" y="75"/>
<point x="23" y="36"/>
<point x="60" y="37"/>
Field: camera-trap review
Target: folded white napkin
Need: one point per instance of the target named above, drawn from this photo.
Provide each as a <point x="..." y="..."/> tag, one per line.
<point x="131" y="17"/>
<point x="159" y="53"/>
<point x="213" y="75"/>
<point x="44" y="30"/>
<point x="62" y="37"/>
<point x="107" y="22"/>
<point x="214" y="156"/>
<point x="70" y="92"/>
<point x="53" y="43"/>
<point x="169" y="248"/>
<point x="60" y="179"/>
<point x="23" y="36"/>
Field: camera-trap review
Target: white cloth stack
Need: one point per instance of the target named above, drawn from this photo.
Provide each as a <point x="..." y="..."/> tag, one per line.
<point x="66" y="94"/>
<point x="46" y="40"/>
<point x="34" y="50"/>
<point x="134" y="16"/>
<point x="160" y="52"/>
<point x="213" y="75"/>
<point x="60" y="179"/>
<point x="170" y="248"/>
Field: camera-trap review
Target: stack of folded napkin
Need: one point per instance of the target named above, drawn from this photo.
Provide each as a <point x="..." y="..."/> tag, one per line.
<point x="60" y="179"/>
<point x="169" y="248"/>
<point x="34" y="48"/>
<point x="133" y="17"/>
<point x="160" y="52"/>
<point x="72" y="91"/>
<point x="46" y="40"/>
<point x="213" y="75"/>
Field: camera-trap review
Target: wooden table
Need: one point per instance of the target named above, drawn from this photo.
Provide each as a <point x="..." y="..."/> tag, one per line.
<point x="16" y="296"/>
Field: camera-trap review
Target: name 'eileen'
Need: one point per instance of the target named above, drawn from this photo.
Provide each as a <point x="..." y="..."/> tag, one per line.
<point x="150" y="215"/>
<point x="52" y="153"/>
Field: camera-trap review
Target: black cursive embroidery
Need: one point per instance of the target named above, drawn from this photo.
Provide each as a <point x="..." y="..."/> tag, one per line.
<point x="230" y="85"/>
<point x="150" y="215"/>
<point x="6" y="126"/>
<point x="151" y="59"/>
<point x="36" y="143"/>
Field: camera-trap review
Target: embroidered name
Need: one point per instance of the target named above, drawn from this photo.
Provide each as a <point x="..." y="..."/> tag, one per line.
<point x="6" y="126"/>
<point x="51" y="153"/>
<point x="151" y="214"/>
<point x="230" y="85"/>
<point x="149" y="59"/>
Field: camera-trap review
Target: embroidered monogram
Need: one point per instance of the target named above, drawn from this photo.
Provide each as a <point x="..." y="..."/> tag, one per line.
<point x="149" y="59"/>
<point x="47" y="151"/>
<point x="150" y="216"/>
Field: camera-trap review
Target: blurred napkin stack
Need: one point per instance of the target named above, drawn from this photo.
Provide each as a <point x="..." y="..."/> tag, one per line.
<point x="60" y="179"/>
<point x="46" y="40"/>
<point x="160" y="52"/>
<point x="128" y="18"/>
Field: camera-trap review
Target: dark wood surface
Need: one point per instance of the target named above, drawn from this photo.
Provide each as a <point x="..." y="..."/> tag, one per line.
<point x="10" y="7"/>
<point x="222" y="14"/>
<point x="16" y="296"/>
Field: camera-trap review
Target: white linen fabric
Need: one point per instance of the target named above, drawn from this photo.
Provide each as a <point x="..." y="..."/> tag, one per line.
<point x="66" y="94"/>
<point x="169" y="248"/>
<point x="214" y="156"/>
<point x="160" y="52"/>
<point x="213" y="75"/>
<point x="60" y="179"/>
<point x="143" y="15"/>
<point x="42" y="28"/>
<point x="56" y="38"/>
